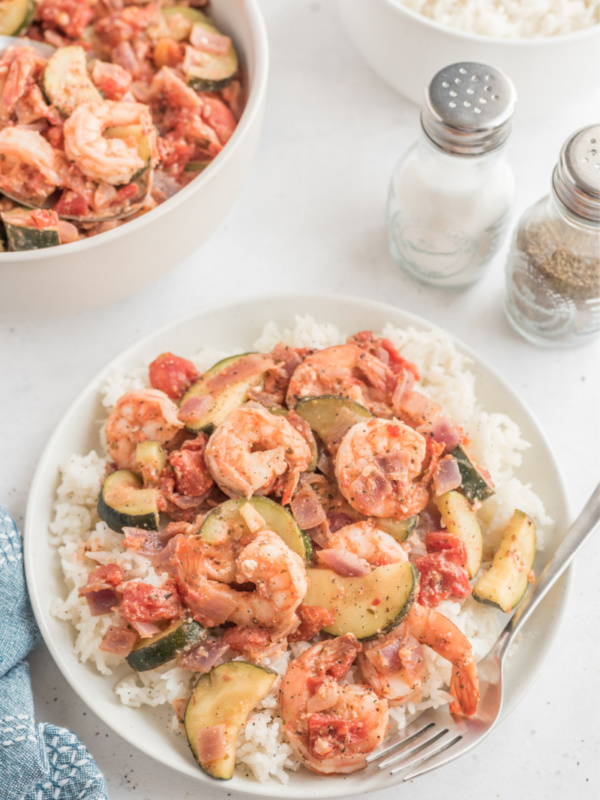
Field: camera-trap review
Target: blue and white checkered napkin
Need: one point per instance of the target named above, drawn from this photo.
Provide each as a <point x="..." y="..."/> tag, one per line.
<point x="43" y="761"/>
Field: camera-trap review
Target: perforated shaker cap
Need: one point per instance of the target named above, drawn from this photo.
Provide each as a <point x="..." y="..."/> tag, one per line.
<point x="576" y="178"/>
<point x="468" y="108"/>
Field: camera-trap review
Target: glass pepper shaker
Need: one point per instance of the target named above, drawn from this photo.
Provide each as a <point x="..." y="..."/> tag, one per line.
<point x="451" y="195"/>
<point x="553" y="267"/>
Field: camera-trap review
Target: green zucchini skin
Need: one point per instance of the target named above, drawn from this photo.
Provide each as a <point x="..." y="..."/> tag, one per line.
<point x="66" y="81"/>
<point x="393" y="587"/>
<point x="225" y="401"/>
<point x="322" y="412"/>
<point x="20" y="235"/>
<point x="400" y="530"/>
<point x="474" y="484"/>
<point x="504" y="585"/>
<point x="151" y="459"/>
<point x="460" y="519"/>
<point x="16" y="16"/>
<point x="166" y="645"/>
<point x="277" y="519"/>
<point x="124" y="503"/>
<point x="225" y="696"/>
<point x="217" y="71"/>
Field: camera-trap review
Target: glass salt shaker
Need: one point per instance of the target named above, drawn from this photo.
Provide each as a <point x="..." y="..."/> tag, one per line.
<point x="553" y="267"/>
<point x="452" y="194"/>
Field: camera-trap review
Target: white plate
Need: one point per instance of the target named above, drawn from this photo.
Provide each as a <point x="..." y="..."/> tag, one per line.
<point x="233" y="327"/>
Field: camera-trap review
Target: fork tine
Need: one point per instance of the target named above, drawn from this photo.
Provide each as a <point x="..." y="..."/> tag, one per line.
<point x="427" y="757"/>
<point x="409" y="756"/>
<point x="397" y="742"/>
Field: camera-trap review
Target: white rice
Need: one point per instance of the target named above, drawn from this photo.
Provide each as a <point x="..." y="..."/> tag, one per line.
<point x="84" y="541"/>
<point x="510" y="19"/>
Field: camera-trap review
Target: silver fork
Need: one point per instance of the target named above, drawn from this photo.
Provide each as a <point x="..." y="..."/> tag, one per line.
<point x="437" y="737"/>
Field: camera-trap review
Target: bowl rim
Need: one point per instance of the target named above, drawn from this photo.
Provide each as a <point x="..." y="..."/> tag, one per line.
<point x="260" y="45"/>
<point x="518" y="43"/>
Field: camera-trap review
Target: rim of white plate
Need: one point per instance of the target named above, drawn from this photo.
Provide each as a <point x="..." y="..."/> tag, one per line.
<point x="242" y="313"/>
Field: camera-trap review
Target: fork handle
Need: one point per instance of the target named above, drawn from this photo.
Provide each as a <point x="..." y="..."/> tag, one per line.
<point x="584" y="526"/>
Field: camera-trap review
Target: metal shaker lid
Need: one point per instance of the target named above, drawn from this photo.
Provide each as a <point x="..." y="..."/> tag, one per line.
<point x="576" y="178"/>
<point x="468" y="108"/>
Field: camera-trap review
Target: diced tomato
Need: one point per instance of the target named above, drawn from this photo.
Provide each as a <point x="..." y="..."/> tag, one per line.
<point x="125" y="193"/>
<point x="192" y="476"/>
<point x="107" y="573"/>
<point x="172" y="374"/>
<point x="69" y="16"/>
<point x="246" y="640"/>
<point x="145" y="603"/>
<point x="71" y="204"/>
<point x="112" y="80"/>
<point x="334" y="734"/>
<point x="43" y="219"/>
<point x="443" y="570"/>
<point x="312" y="620"/>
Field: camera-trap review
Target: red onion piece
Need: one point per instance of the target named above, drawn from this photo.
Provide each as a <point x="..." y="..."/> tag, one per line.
<point x="101" y="601"/>
<point x="119" y="641"/>
<point x="145" y="629"/>
<point x="211" y="743"/>
<point x="203" y="656"/>
<point x="306" y="508"/>
<point x="447" y="476"/>
<point x="344" y="563"/>
<point x="444" y="430"/>
<point x="195" y="408"/>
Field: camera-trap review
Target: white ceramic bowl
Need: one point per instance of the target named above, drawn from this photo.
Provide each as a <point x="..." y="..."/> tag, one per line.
<point x="406" y="49"/>
<point x="233" y="327"/>
<point x="114" y="264"/>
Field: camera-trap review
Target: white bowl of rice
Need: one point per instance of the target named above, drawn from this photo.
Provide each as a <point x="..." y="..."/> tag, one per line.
<point x="116" y="263"/>
<point x="549" y="48"/>
<point x="61" y="525"/>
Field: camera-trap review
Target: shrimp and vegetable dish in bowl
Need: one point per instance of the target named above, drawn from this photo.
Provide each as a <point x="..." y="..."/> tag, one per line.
<point x="107" y="109"/>
<point x="299" y="548"/>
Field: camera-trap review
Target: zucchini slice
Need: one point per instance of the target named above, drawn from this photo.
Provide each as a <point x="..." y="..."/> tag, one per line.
<point x="460" y="519"/>
<point x="66" y="80"/>
<point x="222" y="700"/>
<point x="16" y="16"/>
<point x="330" y="416"/>
<point x="505" y="583"/>
<point x="474" y="485"/>
<point x="217" y="70"/>
<point x="123" y="502"/>
<point x="399" y="529"/>
<point x="24" y="233"/>
<point x="366" y="606"/>
<point x="185" y="17"/>
<point x="164" y="646"/>
<point x="226" y="400"/>
<point x="151" y="460"/>
<point x="276" y="517"/>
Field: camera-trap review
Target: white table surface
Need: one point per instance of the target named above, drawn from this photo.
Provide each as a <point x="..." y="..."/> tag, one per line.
<point x="311" y="216"/>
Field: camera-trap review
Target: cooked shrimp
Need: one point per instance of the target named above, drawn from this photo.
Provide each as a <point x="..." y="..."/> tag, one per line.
<point x="371" y="545"/>
<point x="346" y="370"/>
<point x="29" y="165"/>
<point x="19" y="66"/>
<point x="279" y="575"/>
<point x="394" y="665"/>
<point x="256" y="452"/>
<point x="380" y="467"/>
<point x="280" y="578"/>
<point x="331" y="726"/>
<point x="113" y="161"/>
<point x="138" y="416"/>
